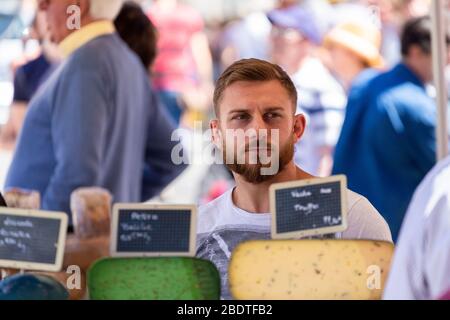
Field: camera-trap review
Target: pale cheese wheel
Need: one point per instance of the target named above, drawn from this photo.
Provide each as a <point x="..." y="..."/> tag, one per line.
<point x="309" y="269"/>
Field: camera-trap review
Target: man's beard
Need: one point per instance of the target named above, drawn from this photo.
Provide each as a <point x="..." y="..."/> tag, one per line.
<point x="252" y="173"/>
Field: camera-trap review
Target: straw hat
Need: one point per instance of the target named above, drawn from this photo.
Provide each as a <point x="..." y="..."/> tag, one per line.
<point x="364" y="40"/>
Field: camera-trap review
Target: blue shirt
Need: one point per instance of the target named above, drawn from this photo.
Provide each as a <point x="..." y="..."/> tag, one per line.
<point x="29" y="77"/>
<point x="95" y="122"/>
<point x="388" y="142"/>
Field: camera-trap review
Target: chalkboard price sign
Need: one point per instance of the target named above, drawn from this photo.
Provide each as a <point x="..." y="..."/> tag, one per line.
<point x="143" y="230"/>
<point x="309" y="207"/>
<point x="32" y="240"/>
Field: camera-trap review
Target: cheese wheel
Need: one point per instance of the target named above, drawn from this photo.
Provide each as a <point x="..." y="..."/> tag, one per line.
<point x="309" y="269"/>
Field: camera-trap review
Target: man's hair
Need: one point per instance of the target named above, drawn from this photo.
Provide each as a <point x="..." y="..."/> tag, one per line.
<point x="253" y="70"/>
<point x="136" y="29"/>
<point x="105" y="9"/>
<point x="417" y="32"/>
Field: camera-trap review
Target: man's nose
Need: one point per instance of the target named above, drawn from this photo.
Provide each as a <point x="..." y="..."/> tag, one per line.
<point x="258" y="123"/>
<point x="259" y="129"/>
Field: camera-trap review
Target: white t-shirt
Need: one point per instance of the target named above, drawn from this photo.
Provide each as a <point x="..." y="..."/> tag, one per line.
<point x="222" y="226"/>
<point x="421" y="266"/>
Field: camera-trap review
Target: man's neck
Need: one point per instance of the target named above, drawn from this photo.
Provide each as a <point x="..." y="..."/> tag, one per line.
<point x="416" y="70"/>
<point x="254" y="198"/>
<point x="349" y="76"/>
<point x="85" y="20"/>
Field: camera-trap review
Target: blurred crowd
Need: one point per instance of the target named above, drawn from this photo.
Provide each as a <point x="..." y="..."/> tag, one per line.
<point x="362" y="69"/>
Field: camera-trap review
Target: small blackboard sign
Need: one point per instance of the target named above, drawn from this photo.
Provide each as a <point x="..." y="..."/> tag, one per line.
<point x="309" y="207"/>
<point x="146" y="230"/>
<point x="32" y="240"/>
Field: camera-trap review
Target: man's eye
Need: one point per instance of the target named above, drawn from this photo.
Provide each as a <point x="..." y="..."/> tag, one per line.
<point x="241" y="117"/>
<point x="272" y="115"/>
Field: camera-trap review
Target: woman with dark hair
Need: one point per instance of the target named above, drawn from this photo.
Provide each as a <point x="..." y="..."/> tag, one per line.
<point x="136" y="29"/>
<point x="139" y="33"/>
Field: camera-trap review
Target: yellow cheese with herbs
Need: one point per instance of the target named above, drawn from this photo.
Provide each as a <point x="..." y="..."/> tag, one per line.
<point x="309" y="269"/>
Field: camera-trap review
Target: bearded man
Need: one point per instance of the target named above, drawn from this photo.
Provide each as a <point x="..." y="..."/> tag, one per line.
<point x="258" y="98"/>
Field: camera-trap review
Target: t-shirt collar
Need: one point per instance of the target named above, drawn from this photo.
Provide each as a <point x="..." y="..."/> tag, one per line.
<point x="242" y="212"/>
<point x="87" y="33"/>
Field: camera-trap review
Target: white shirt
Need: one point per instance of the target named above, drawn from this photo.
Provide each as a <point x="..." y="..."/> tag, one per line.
<point x="421" y="266"/>
<point x="222" y="226"/>
<point x="322" y="100"/>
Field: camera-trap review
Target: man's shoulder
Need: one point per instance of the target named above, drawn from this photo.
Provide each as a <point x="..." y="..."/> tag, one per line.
<point x="101" y="51"/>
<point x="364" y="220"/>
<point x="394" y="88"/>
<point x="108" y="58"/>
<point x="354" y="198"/>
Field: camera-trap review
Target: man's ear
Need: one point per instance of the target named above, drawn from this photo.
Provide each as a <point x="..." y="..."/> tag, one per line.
<point x="215" y="132"/>
<point x="299" y="127"/>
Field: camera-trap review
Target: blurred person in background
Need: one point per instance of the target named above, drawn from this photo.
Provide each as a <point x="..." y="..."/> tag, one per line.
<point x="244" y="38"/>
<point x="421" y="264"/>
<point x="138" y="32"/>
<point x="96" y="121"/>
<point x="354" y="50"/>
<point x="28" y="78"/>
<point x="294" y="40"/>
<point x="183" y="68"/>
<point x="392" y="15"/>
<point x="392" y="145"/>
<point x="248" y="37"/>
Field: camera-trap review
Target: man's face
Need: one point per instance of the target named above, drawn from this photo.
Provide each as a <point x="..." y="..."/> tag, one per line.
<point x="288" y="47"/>
<point x="342" y="60"/>
<point x="264" y="112"/>
<point x="427" y="62"/>
<point x="422" y="62"/>
<point x="56" y="16"/>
